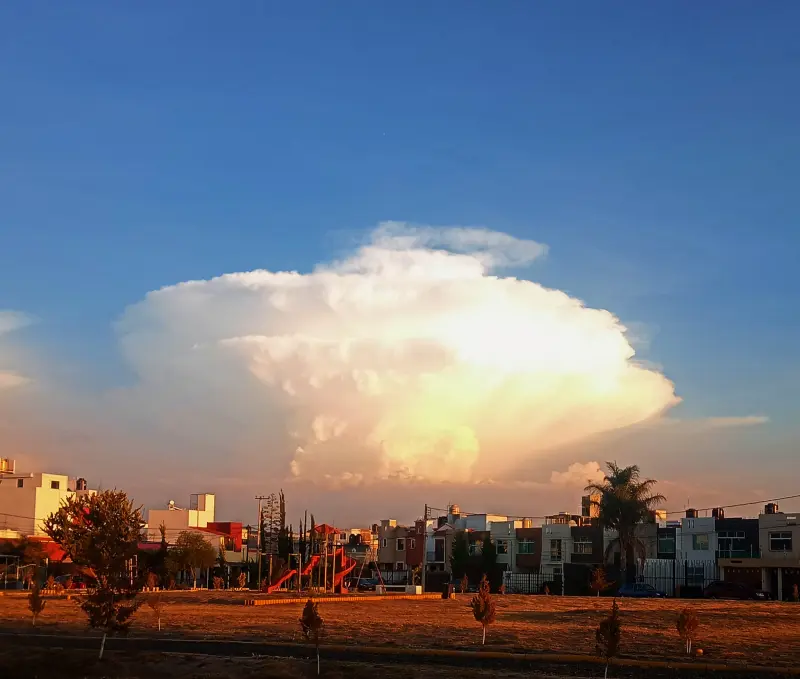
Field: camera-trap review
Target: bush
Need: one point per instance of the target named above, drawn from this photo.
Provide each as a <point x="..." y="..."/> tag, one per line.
<point x="311" y="625"/>
<point x="483" y="607"/>
<point x="36" y="602"/>
<point x="607" y="636"/>
<point x="687" y="625"/>
<point x="218" y="582"/>
<point x="242" y="580"/>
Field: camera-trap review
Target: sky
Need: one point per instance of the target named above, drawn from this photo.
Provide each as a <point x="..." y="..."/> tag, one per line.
<point x="387" y="254"/>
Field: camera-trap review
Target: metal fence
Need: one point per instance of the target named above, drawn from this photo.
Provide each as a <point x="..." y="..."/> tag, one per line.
<point x="678" y="577"/>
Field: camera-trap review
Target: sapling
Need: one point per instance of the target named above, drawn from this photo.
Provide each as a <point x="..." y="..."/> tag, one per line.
<point x="607" y="636"/>
<point x="152" y="581"/>
<point x="687" y="625"/>
<point x="483" y="607"/>
<point x="156" y="603"/>
<point x="311" y="624"/>
<point x="464" y="584"/>
<point x="242" y="580"/>
<point x="599" y="583"/>
<point x="36" y="602"/>
<point x="218" y="582"/>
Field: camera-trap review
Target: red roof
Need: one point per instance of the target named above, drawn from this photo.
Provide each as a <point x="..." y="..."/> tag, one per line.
<point x="325" y="529"/>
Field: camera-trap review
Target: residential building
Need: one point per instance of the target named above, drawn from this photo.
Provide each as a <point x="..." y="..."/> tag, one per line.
<point x="697" y="538"/>
<point x="394" y="544"/>
<point x="176" y="519"/>
<point x="26" y="500"/>
<point x="590" y="506"/>
<point x="557" y="544"/>
<point x="504" y="536"/>
<point x="528" y="549"/>
<point x="779" y="556"/>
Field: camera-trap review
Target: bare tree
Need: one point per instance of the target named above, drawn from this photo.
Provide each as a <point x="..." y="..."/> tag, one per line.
<point x="156" y="603"/>
<point x="311" y="625"/>
<point x="687" y="625"/>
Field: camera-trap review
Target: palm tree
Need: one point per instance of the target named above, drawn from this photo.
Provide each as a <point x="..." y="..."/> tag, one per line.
<point x="625" y="501"/>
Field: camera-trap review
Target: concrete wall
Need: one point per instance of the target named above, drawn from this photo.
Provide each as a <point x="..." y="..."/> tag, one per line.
<point x="23" y="509"/>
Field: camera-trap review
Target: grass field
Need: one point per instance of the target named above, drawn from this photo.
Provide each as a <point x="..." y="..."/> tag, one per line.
<point x="731" y="632"/>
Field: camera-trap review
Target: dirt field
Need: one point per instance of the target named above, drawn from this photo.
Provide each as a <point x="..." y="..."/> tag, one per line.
<point x="731" y="632"/>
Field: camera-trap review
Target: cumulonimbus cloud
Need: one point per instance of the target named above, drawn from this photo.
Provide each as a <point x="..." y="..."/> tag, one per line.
<point x="408" y="359"/>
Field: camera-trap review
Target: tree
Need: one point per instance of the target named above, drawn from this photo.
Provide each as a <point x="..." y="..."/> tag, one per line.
<point x="311" y="625"/>
<point x="459" y="559"/>
<point x="464" y="583"/>
<point x="156" y="603"/>
<point x="242" y="580"/>
<point x="598" y="582"/>
<point x="687" y="625"/>
<point x="192" y="551"/>
<point x="223" y="563"/>
<point x="101" y="533"/>
<point x="483" y="606"/>
<point x="607" y="636"/>
<point x="36" y="602"/>
<point x="625" y="501"/>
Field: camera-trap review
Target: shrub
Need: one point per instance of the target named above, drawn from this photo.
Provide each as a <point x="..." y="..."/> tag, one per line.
<point x="687" y="625"/>
<point x="598" y="582"/>
<point x="464" y="584"/>
<point x="156" y="603"/>
<point x="152" y="580"/>
<point x="218" y="582"/>
<point x="242" y="580"/>
<point x="607" y="636"/>
<point x="36" y="602"/>
<point x="483" y="606"/>
<point x="311" y="625"/>
<point x="50" y="583"/>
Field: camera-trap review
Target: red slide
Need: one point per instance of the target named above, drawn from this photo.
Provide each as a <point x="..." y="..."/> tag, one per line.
<point x="313" y="561"/>
<point x="277" y="585"/>
<point x="347" y="564"/>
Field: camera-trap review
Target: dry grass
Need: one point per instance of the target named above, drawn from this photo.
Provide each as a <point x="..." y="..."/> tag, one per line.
<point x="761" y="633"/>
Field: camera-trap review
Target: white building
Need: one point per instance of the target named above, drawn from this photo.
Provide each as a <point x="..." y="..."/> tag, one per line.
<point x="556" y="545"/>
<point x="176" y="519"/>
<point x="696" y="539"/>
<point x="26" y="500"/>
<point x="504" y="536"/>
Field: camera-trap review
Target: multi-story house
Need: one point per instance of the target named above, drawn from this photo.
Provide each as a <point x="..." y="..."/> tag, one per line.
<point x="557" y="544"/>
<point x="26" y="500"/>
<point x="778" y="559"/>
<point x="528" y="552"/>
<point x="503" y="535"/>
<point x="394" y="544"/>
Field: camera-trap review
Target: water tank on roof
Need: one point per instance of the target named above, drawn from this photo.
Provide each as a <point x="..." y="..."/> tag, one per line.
<point x="527" y="523"/>
<point x="691" y="513"/>
<point x="718" y="513"/>
<point x="771" y="508"/>
<point x="80" y="484"/>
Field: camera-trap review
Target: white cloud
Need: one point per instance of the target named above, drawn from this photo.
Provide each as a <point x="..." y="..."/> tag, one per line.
<point x="405" y="360"/>
<point x="578" y="474"/>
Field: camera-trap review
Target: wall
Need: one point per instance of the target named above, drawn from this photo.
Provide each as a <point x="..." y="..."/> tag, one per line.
<point x="769" y="523"/>
<point x="528" y="562"/>
<point x="595" y="535"/>
<point x="701" y="526"/>
<point x="24" y="509"/>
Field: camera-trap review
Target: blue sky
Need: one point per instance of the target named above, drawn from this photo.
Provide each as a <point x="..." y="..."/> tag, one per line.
<point x="652" y="146"/>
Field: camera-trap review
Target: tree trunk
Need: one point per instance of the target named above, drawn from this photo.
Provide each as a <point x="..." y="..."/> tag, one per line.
<point x="484" y="636"/>
<point x="159" y="623"/>
<point x="102" y="646"/>
<point x="317" y="660"/>
<point x="623" y="559"/>
<point x="606" y="674"/>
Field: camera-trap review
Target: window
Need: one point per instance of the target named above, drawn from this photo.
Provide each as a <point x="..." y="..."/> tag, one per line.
<point x="582" y="546"/>
<point x="385" y="543"/>
<point x="555" y="550"/>
<point x="55" y="485"/>
<point x="731" y="543"/>
<point x="700" y="541"/>
<point x="401" y="544"/>
<point x="780" y="542"/>
<point x="527" y="547"/>
<point x="20" y="483"/>
<point x="412" y="543"/>
<point x="666" y="543"/>
<point x="343" y="537"/>
<point x="502" y="546"/>
<point x="400" y="566"/>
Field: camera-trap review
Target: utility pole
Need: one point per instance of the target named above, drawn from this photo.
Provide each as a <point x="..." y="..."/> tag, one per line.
<point x="424" y="547"/>
<point x="258" y="538"/>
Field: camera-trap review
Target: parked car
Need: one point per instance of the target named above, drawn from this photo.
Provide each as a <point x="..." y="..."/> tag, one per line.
<point x="71" y="581"/>
<point x="367" y="584"/>
<point x="719" y="589"/>
<point x="640" y="590"/>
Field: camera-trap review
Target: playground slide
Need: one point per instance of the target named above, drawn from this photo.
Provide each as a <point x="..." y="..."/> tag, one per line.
<point x="277" y="585"/>
<point x="313" y="561"/>
<point x="348" y="565"/>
